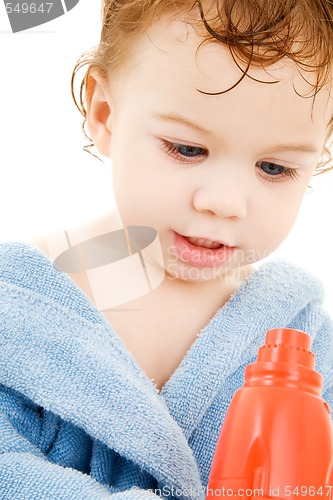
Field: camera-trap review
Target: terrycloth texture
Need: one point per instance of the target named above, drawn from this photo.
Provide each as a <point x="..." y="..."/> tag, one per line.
<point x="78" y="417"/>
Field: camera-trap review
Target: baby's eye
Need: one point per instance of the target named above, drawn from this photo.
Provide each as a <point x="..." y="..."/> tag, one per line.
<point x="183" y="152"/>
<point x="189" y="151"/>
<point x="276" y="172"/>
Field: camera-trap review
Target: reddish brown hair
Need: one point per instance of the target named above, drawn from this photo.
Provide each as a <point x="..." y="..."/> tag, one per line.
<point x="257" y="32"/>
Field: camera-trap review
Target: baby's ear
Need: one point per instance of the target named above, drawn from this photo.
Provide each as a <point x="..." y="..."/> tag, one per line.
<point x="98" y="112"/>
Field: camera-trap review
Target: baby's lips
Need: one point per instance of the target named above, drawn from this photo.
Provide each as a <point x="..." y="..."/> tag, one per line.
<point x="31" y="13"/>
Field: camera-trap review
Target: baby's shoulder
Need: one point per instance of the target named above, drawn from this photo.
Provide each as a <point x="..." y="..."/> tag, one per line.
<point x="40" y="242"/>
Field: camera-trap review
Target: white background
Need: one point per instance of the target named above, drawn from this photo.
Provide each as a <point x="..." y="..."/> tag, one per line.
<point x="47" y="181"/>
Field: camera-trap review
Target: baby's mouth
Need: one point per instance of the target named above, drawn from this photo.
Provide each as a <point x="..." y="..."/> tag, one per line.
<point x="201" y="242"/>
<point x="202" y="252"/>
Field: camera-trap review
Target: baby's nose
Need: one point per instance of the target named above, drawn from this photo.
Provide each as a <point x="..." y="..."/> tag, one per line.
<point x="225" y="197"/>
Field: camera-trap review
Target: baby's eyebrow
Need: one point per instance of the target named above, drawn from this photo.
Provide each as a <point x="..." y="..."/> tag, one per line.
<point x="303" y="148"/>
<point x="172" y="117"/>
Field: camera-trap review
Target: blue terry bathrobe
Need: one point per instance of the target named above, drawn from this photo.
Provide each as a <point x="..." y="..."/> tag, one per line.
<point x="79" y="419"/>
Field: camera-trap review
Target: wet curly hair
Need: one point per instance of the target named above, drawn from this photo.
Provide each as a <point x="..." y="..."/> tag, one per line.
<point x="256" y="32"/>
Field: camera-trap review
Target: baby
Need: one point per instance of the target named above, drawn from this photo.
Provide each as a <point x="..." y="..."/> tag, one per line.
<point x="216" y="115"/>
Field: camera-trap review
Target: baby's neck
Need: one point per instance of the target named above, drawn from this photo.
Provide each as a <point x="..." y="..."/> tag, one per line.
<point x="160" y="327"/>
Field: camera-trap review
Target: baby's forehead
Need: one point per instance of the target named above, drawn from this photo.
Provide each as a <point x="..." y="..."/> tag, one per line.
<point x="256" y="36"/>
<point x="178" y="38"/>
<point x="175" y="68"/>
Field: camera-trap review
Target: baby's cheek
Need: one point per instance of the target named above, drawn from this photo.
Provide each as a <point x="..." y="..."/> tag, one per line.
<point x="279" y="226"/>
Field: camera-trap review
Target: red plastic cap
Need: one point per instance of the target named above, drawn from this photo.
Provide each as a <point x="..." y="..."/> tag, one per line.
<point x="288" y="346"/>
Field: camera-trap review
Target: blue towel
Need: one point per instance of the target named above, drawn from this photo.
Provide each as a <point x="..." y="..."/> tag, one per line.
<point x="79" y="419"/>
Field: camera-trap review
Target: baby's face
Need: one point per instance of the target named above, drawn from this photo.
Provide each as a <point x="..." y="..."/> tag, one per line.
<point x="232" y="168"/>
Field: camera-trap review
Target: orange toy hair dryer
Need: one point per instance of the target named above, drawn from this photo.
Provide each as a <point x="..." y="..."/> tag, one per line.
<point x="277" y="439"/>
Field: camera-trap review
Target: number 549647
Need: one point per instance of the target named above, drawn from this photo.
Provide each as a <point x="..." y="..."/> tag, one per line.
<point x="28" y="8"/>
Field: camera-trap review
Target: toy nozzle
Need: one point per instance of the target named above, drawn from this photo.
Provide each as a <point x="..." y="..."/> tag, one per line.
<point x="287" y="346"/>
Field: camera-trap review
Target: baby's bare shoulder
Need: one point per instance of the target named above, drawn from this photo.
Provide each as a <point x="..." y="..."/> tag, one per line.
<point x="40" y="242"/>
